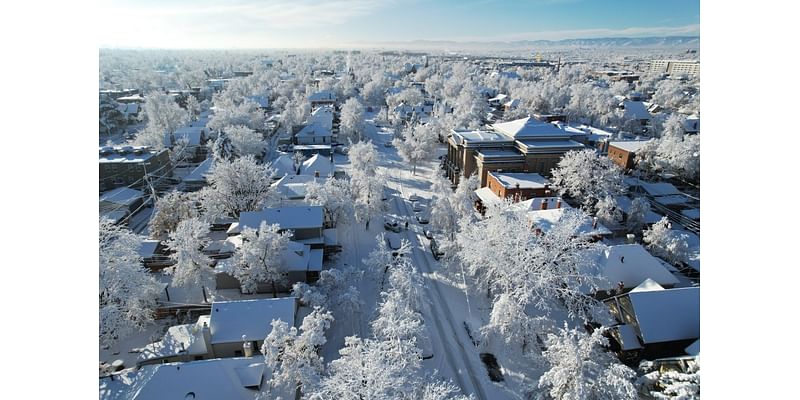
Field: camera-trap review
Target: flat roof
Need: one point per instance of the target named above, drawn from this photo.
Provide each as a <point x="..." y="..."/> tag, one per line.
<point x="550" y="144"/>
<point x="305" y="217"/>
<point x="478" y="136"/>
<point x="629" y="145"/>
<point x="525" y="180"/>
<point x="232" y="319"/>
<point x="122" y="195"/>
<point x="529" y="128"/>
<point x="492" y="153"/>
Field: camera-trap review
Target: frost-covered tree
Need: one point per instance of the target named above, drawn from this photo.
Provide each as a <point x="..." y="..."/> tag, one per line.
<point x="293" y="355"/>
<point x="417" y="145"/>
<point x="351" y="121"/>
<point x="365" y="183"/>
<point x="335" y="198"/>
<point x="127" y="292"/>
<point x="545" y="270"/>
<point x="192" y="268"/>
<point x="587" y="176"/>
<point x="245" y="141"/>
<point x="670" y="94"/>
<point x="637" y="214"/>
<point x="192" y="107"/>
<point x="443" y="213"/>
<point x="670" y="385"/>
<point x="260" y="258"/>
<point x="463" y="199"/>
<point x="227" y="112"/>
<point x="371" y="369"/>
<point x="335" y="290"/>
<point x="608" y="212"/>
<point x="163" y="113"/>
<point x="170" y="210"/>
<point x="236" y="186"/>
<point x="666" y="243"/>
<point x="581" y="369"/>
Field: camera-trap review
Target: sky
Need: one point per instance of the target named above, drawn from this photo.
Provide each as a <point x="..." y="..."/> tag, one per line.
<point x="349" y="23"/>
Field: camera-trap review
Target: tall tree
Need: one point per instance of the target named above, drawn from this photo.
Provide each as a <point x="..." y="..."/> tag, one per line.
<point x="260" y="258"/>
<point x="170" y="210"/>
<point x="588" y="176"/>
<point x="417" y="145"/>
<point x="192" y="267"/>
<point x="581" y="369"/>
<point x="245" y="141"/>
<point x="365" y="184"/>
<point x="236" y="186"/>
<point x="127" y="292"/>
<point x="351" y="125"/>
<point x="666" y="243"/>
<point x="334" y="196"/>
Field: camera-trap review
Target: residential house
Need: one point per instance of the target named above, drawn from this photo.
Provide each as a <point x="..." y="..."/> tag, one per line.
<point x="120" y="202"/>
<point x="317" y="166"/>
<point x="128" y="165"/>
<point x="195" y="138"/>
<point x="636" y="115"/>
<point x="519" y="186"/>
<point x="623" y="153"/>
<point x="313" y="134"/>
<point x="654" y="321"/>
<point x="322" y="98"/>
<point x="623" y="267"/>
<point x="231" y="326"/>
<point x="227" y="378"/>
<point x="283" y="165"/>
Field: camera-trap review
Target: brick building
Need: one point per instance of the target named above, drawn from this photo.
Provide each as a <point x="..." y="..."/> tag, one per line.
<point x="623" y="153"/>
<point x="126" y="166"/>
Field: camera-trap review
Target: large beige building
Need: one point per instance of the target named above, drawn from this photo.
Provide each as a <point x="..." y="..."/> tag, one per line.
<point x="676" y="67"/>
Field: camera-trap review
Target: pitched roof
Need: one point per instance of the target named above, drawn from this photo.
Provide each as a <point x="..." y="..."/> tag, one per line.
<point x="317" y="163"/>
<point x="283" y="165"/>
<point x="667" y="314"/>
<point x="314" y="130"/>
<point x="529" y="127"/>
<point x="122" y="196"/>
<point x="305" y="217"/>
<point x="635" y="110"/>
<point x="631" y="264"/>
<point x="232" y="319"/>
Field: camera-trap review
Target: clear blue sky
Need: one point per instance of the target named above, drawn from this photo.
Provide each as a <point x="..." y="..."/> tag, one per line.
<point x="342" y="23"/>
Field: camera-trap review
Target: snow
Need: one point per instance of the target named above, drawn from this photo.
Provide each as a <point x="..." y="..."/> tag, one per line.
<point x="232" y="319"/>
<point x="693" y="213"/>
<point x="667" y="314"/>
<point x="130" y="157"/>
<point x="654" y="188"/>
<point x="292" y="187"/>
<point x="545" y="219"/>
<point x="480" y="136"/>
<point x="192" y="133"/>
<point x="624" y="203"/>
<point x="122" y="196"/>
<point x="487" y="196"/>
<point x="227" y="378"/>
<point x="671" y="200"/>
<point x="636" y="266"/>
<point x="694" y="348"/>
<point x="148" y="248"/>
<point x="300" y="257"/>
<point x="533" y="145"/>
<point x="310" y="132"/>
<point x="631" y="146"/>
<point x="499" y="153"/>
<point x="305" y="217"/>
<point x="317" y="163"/>
<point x="324" y="95"/>
<point x="186" y="338"/>
<point x="636" y="110"/>
<point x="283" y="165"/>
<point x="530" y="128"/>
<point x="200" y="172"/>
<point x="625" y="335"/>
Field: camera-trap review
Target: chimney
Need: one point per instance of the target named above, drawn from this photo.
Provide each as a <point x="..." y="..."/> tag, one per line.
<point x="594" y="223"/>
<point x="558" y="203"/>
<point x="631" y="238"/>
<point x="544" y="204"/>
<point x="316" y="174"/>
<point x="207" y="340"/>
<point x="247" y="346"/>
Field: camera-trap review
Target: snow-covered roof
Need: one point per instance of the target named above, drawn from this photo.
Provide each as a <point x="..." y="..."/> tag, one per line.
<point x="148" y="247"/>
<point x="631" y="264"/>
<point x="194" y="134"/>
<point x="305" y="217"/>
<point x="477" y="136"/>
<point x="525" y="180"/>
<point x="499" y="97"/>
<point x="624" y="203"/>
<point x="294" y="186"/>
<point x="129" y="156"/>
<point x="635" y="110"/>
<point x="546" y="219"/>
<point x="301" y="257"/>
<point x="693" y="213"/>
<point x="179" y="338"/>
<point x="499" y="153"/>
<point x="322" y="116"/>
<point x="694" y="348"/>
<point x="317" y="163"/>
<point x="631" y="146"/>
<point x="283" y="165"/>
<point x="529" y="127"/>
<point x="487" y="196"/>
<point x="200" y="172"/>
<point x="262" y="101"/>
<point x="626" y="337"/>
<point x="122" y="196"/>
<point x="667" y="314"/>
<point x="325" y="95"/>
<point x="512" y="103"/>
<point x="301" y="147"/>
<point x="314" y="130"/>
<point x="128" y="109"/>
<point x="221" y="378"/>
<point x="533" y="145"/>
<point x="232" y="319"/>
<point x="672" y="199"/>
<point x="654" y="188"/>
<point x="330" y="237"/>
<point x="536" y="203"/>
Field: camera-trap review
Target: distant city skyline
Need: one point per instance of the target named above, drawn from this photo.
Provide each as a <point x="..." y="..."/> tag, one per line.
<point x="353" y="23"/>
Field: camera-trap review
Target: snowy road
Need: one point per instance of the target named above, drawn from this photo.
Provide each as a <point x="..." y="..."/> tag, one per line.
<point x="455" y="356"/>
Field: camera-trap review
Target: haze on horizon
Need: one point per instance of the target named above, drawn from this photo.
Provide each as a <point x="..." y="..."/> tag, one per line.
<point x="243" y="24"/>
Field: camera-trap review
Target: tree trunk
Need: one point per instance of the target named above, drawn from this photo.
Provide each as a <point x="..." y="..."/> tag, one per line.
<point x="274" y="290"/>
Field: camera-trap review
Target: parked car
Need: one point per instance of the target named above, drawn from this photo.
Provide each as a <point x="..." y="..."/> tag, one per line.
<point x="422" y="219"/>
<point x="425" y="343"/>
<point x="341" y="149"/>
<point x="387" y="144"/>
<point x="495" y="373"/>
<point x="394" y="243"/>
<point x="437" y="254"/>
<point x="428" y="234"/>
<point x="413" y="197"/>
<point x="416" y="206"/>
<point x="391" y="225"/>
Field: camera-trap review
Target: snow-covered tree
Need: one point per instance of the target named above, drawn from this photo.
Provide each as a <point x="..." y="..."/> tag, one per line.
<point x="127" y="292"/>
<point x="670" y="385"/>
<point x="463" y="199"/>
<point x="608" y="212"/>
<point x="371" y="369"/>
<point x="193" y="107"/>
<point x="293" y="355"/>
<point x="260" y="258"/>
<point x="417" y="145"/>
<point x="227" y="112"/>
<point x="351" y="123"/>
<point x="163" y="114"/>
<point x="666" y="243"/>
<point x="443" y="213"/>
<point x="365" y="184"/>
<point x="588" y="176"/>
<point x="637" y="214"/>
<point x="581" y="369"/>
<point x="236" y="186"/>
<point x="396" y="319"/>
<point x="245" y="141"/>
<point x="170" y="210"/>
<point x="334" y="196"/>
<point x="192" y="268"/>
<point x="554" y="269"/>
